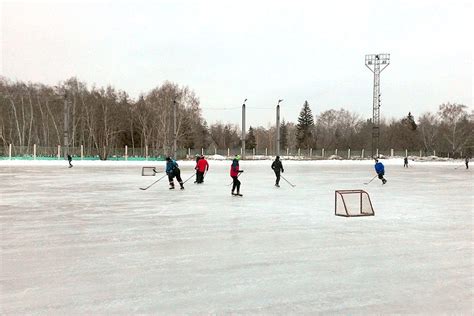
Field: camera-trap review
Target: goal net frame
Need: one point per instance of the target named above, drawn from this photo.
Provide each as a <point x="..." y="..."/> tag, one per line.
<point x="348" y="207"/>
<point x="145" y="173"/>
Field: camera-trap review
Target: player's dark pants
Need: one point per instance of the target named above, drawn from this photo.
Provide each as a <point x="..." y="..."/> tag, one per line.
<point x="176" y="173"/>
<point x="277" y="174"/>
<point x="467" y="165"/>
<point x="381" y="176"/>
<point x="235" y="184"/>
<point x="199" y="177"/>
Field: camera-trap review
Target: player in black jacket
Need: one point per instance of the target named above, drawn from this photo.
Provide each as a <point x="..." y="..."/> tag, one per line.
<point x="277" y="166"/>
<point x="69" y="159"/>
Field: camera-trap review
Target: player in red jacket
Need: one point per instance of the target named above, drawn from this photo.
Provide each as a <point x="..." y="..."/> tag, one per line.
<point x="234" y="173"/>
<point x="201" y="167"/>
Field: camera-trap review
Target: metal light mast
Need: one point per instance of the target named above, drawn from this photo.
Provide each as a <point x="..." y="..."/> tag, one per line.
<point x="66" y="126"/>
<point x="278" y="129"/>
<point x="175" y="147"/>
<point x="376" y="63"/>
<point x="243" y="129"/>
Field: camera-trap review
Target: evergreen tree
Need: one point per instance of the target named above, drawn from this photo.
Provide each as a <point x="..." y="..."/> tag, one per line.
<point x="305" y="127"/>
<point x="409" y="121"/>
<point x="250" y="142"/>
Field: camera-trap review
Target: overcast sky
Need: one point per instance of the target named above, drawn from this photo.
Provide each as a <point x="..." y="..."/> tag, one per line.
<point x="227" y="51"/>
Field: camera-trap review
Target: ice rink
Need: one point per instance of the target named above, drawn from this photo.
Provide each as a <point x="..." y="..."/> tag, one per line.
<point x="86" y="240"/>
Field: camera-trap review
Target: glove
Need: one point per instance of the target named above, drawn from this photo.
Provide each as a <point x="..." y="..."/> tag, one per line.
<point x="282" y="171"/>
<point x="240" y="171"/>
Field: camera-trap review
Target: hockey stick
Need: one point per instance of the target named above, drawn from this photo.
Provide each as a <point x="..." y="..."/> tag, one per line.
<point x="288" y="181"/>
<point x="189" y="178"/>
<point x="371" y="179"/>
<point x="153" y="183"/>
<point x="233" y="179"/>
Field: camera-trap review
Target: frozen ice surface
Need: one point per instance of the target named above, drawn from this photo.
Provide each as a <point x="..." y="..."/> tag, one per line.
<point x="86" y="240"/>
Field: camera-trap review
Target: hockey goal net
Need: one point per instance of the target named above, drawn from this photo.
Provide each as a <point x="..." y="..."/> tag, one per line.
<point x="353" y="203"/>
<point x="148" y="171"/>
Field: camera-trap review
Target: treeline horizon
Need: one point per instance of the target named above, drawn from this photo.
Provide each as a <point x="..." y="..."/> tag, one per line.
<point x="105" y="117"/>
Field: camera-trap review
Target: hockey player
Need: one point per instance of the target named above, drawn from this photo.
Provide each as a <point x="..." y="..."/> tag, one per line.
<point x="69" y="159"/>
<point x="195" y="168"/>
<point x="234" y="173"/>
<point x="277" y="166"/>
<point x="379" y="168"/>
<point x="405" y="162"/>
<point x="201" y="167"/>
<point x="172" y="170"/>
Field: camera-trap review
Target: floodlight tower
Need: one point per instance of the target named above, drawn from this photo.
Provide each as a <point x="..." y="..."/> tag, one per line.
<point x="376" y="63"/>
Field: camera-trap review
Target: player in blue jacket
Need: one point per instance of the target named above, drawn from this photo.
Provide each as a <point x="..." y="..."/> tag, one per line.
<point x="172" y="170"/>
<point x="379" y="168"/>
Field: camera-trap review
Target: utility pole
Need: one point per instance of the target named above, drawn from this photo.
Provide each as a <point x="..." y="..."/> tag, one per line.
<point x="66" y="127"/>
<point x="376" y="63"/>
<point x="174" y="130"/>
<point x="243" y="129"/>
<point x="277" y="147"/>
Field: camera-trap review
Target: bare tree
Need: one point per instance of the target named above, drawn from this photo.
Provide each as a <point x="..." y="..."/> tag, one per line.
<point x="428" y="124"/>
<point x="338" y="129"/>
<point x="455" y="125"/>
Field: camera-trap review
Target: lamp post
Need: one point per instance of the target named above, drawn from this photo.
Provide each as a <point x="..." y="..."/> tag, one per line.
<point x="277" y="147"/>
<point x="174" y="130"/>
<point x="66" y="126"/>
<point x="243" y="129"/>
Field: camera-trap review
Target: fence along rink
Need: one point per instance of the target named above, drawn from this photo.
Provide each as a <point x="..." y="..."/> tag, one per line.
<point x="11" y="151"/>
<point x="352" y="203"/>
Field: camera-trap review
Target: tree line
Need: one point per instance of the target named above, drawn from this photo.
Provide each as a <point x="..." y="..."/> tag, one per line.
<point x="104" y="117"/>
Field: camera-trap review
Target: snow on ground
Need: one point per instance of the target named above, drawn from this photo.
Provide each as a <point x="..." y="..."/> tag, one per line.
<point x="86" y="240"/>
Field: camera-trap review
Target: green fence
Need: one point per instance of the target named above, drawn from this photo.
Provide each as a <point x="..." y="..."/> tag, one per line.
<point x="159" y="154"/>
